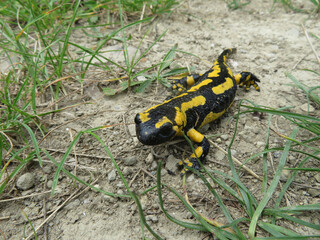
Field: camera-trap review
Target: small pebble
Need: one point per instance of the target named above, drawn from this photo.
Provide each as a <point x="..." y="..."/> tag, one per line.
<point x="47" y="169"/>
<point x="149" y="158"/>
<point x="49" y="184"/>
<point x="75" y="203"/>
<point x="171" y="163"/>
<point x="112" y="175"/>
<point x="317" y="177"/>
<point x="130" y="161"/>
<point x="219" y="156"/>
<point x="260" y="144"/>
<point x="313" y="192"/>
<point x="224" y="137"/>
<point x="304" y="107"/>
<point x="127" y="171"/>
<point x="25" y="181"/>
<point x="285" y="174"/>
<point x="152" y="218"/>
<point x="132" y="130"/>
<point x="109" y="198"/>
<point x="154" y="165"/>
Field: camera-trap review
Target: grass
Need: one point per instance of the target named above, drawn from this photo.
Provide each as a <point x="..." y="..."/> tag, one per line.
<point x="36" y="38"/>
<point x="288" y="4"/>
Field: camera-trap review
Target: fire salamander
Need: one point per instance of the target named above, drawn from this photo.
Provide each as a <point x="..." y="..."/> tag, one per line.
<point x="209" y="96"/>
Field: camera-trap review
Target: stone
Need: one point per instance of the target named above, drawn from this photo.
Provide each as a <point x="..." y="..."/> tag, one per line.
<point x="313" y="192"/>
<point x="47" y="169"/>
<point x="171" y="163"/>
<point x="219" y="156"/>
<point x="304" y="107"/>
<point x="25" y="181"/>
<point x="75" y="203"/>
<point x="130" y="161"/>
<point x="112" y="175"/>
<point x="224" y="137"/>
<point x="149" y="159"/>
<point x="152" y="218"/>
<point x="317" y="177"/>
<point x="154" y="165"/>
<point x="285" y="174"/>
<point x="132" y="130"/>
<point x="127" y="171"/>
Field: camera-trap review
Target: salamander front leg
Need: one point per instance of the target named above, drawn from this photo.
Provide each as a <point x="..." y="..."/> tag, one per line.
<point x="200" y="152"/>
<point x="247" y="79"/>
<point x="182" y="84"/>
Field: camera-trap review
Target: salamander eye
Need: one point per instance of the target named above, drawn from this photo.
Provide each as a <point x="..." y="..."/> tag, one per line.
<point x="137" y="119"/>
<point x="166" y="130"/>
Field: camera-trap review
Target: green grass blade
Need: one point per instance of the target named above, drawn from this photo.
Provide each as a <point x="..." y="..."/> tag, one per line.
<point x="294" y="219"/>
<point x="34" y="141"/>
<point x="142" y="217"/>
<point x="277" y="231"/>
<point x="167" y="60"/>
<point x="273" y="185"/>
<point x="66" y="39"/>
<point x="221" y="234"/>
<point x="64" y="158"/>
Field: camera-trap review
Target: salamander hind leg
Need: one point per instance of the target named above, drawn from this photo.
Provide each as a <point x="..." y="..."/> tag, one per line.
<point x="200" y="152"/>
<point x="247" y="79"/>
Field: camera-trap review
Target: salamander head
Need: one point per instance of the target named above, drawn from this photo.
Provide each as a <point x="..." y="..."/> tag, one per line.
<point x="154" y="127"/>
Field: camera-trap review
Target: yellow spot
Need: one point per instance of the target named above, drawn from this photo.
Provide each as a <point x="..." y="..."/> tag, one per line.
<point x="237" y="78"/>
<point x="189" y="164"/>
<point x="178" y="130"/>
<point x="223" y="87"/>
<point x="190" y="80"/>
<point x="229" y="71"/>
<point x="202" y="83"/>
<point x="198" y="151"/>
<point x="215" y="73"/>
<point x="195" y="136"/>
<point x="180" y="163"/>
<point x="144" y="117"/>
<point x="180" y="118"/>
<point x="194" y="102"/>
<point x="162" y="121"/>
<point x="174" y="87"/>
<point x="211" y="117"/>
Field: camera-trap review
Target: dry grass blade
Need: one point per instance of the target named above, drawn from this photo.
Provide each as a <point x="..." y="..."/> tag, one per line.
<point x="309" y="41"/>
<point x="237" y="161"/>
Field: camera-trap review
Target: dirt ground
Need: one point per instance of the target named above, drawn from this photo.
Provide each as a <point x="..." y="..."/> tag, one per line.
<point x="269" y="44"/>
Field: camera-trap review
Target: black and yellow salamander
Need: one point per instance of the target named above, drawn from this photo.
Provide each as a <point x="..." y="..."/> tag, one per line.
<point x="209" y="96"/>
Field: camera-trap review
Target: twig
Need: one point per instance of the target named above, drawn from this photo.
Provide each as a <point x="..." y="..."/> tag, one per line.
<point x="78" y="154"/>
<point x="237" y="161"/>
<point x="311" y="45"/>
<point x="45" y="228"/>
<point x="141" y="17"/>
<point x="294" y="67"/>
<point x="134" y="177"/>
<point x="74" y="153"/>
<point x="23" y="197"/>
<point x="11" y="145"/>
